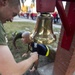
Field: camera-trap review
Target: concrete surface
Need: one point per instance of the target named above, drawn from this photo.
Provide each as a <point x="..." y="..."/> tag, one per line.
<point x="46" y="70"/>
<point x="22" y="19"/>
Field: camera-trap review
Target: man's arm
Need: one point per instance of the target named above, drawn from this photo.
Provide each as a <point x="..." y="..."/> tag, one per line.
<point x="8" y="66"/>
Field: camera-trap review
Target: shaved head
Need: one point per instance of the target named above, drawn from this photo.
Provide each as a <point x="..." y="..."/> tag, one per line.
<point x="26" y="34"/>
<point x="8" y="9"/>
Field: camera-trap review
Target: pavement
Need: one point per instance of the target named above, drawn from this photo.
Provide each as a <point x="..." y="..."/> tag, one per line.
<point x="23" y="19"/>
<point x="46" y="70"/>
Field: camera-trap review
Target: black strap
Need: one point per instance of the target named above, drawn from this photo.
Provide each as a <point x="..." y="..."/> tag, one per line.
<point x="29" y="48"/>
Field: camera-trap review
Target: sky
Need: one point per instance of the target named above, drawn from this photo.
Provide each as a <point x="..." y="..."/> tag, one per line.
<point x="64" y="4"/>
<point x="28" y="2"/>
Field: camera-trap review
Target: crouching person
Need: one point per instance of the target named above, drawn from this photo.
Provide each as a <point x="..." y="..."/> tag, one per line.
<point x="41" y="49"/>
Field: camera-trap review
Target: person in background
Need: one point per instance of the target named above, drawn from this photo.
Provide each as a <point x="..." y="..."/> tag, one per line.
<point x="55" y="15"/>
<point x="8" y="65"/>
<point x="41" y="49"/>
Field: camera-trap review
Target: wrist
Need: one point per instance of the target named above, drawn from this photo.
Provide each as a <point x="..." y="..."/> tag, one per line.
<point x="32" y="59"/>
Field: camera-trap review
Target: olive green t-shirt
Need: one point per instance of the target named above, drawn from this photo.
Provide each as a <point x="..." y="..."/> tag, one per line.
<point x="2" y="35"/>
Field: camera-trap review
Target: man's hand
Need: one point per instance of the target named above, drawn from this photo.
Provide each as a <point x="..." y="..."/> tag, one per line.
<point x="34" y="56"/>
